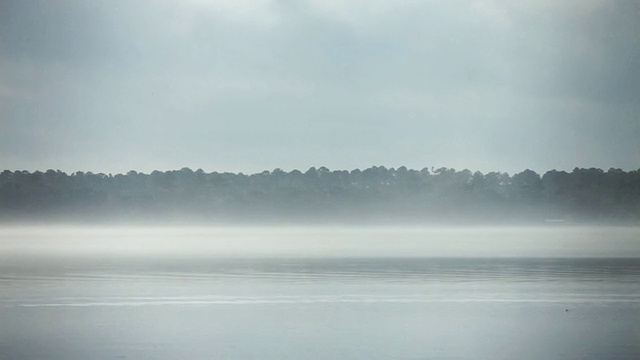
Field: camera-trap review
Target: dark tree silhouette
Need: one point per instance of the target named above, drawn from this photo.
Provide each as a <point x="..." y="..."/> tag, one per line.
<point x="378" y="192"/>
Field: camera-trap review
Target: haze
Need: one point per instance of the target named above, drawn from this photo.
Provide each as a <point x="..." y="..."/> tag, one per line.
<point x="243" y="86"/>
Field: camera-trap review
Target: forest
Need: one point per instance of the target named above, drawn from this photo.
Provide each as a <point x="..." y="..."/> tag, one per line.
<point x="317" y="195"/>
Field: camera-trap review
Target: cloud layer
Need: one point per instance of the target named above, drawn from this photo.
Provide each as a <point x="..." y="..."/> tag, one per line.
<point x="250" y="85"/>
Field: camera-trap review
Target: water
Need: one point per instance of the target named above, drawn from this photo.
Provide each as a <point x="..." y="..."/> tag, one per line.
<point x="320" y="293"/>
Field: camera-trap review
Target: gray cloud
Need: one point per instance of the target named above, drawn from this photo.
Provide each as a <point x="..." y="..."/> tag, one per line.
<point x="251" y="85"/>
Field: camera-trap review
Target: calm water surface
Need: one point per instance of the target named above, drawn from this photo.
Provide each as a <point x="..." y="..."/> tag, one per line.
<point x="320" y="293"/>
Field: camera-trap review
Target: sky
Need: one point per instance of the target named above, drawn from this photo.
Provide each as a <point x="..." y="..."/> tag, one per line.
<point x="246" y="86"/>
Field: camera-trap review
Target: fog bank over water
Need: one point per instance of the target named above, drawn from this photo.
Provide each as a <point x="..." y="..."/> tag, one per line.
<point x="318" y="241"/>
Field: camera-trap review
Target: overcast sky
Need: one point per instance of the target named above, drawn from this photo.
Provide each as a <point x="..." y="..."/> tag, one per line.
<point x="244" y="86"/>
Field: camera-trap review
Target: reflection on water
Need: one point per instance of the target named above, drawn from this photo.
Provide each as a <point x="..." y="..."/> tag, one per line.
<point x="449" y="279"/>
<point x="335" y="270"/>
<point x="107" y="302"/>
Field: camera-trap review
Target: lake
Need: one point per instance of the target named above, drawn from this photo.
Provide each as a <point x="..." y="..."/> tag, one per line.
<point x="554" y="292"/>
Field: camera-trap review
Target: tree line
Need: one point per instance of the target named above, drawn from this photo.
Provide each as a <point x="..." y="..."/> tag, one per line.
<point x="321" y="194"/>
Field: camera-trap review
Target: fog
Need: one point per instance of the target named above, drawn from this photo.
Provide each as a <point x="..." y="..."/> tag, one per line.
<point x="184" y="242"/>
